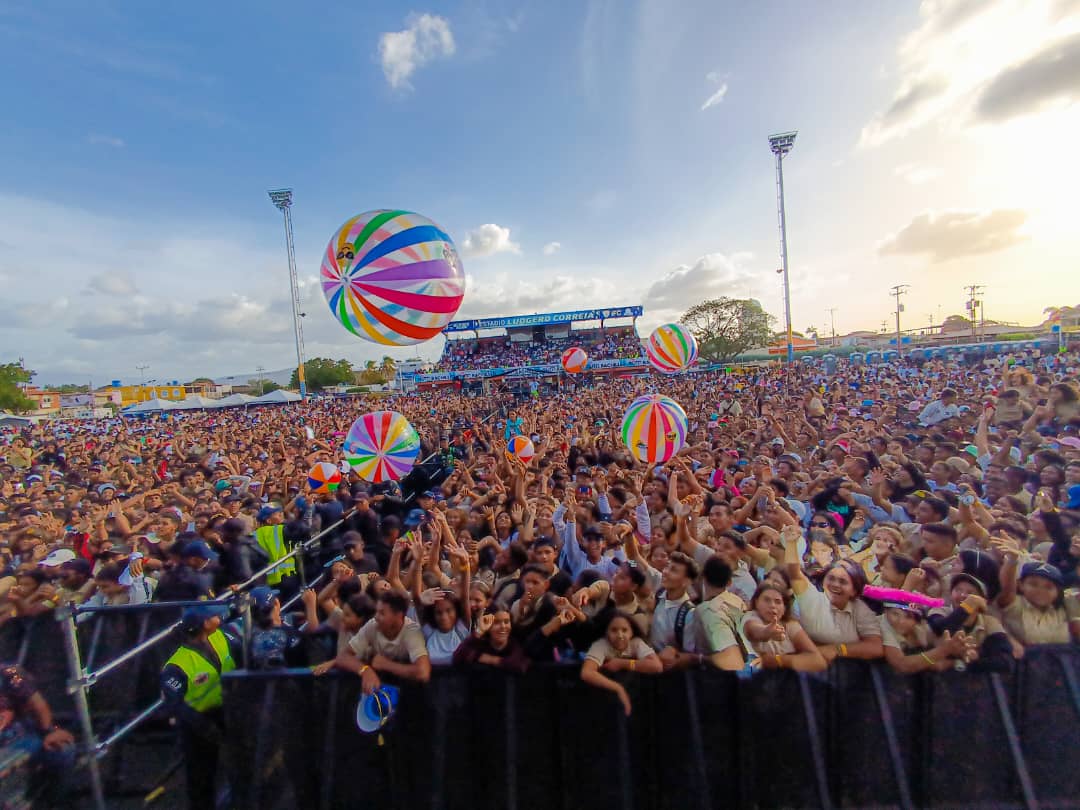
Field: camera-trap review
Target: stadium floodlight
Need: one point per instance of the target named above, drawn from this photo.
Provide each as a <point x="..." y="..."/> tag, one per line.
<point x="282" y="199"/>
<point x="781" y="144"/>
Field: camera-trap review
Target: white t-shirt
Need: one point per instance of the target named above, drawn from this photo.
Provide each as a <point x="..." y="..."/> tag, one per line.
<point x="441" y="645"/>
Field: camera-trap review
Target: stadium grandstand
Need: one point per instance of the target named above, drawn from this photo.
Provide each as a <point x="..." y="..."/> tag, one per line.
<point x="524" y="351"/>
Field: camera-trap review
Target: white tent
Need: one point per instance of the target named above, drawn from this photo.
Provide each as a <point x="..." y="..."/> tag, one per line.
<point x="195" y="402"/>
<point x="233" y="400"/>
<point x="151" y="406"/>
<point x="276" y="398"/>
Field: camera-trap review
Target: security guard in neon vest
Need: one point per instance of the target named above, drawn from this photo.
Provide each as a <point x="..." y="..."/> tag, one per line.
<point x="191" y="684"/>
<point x="270" y="537"/>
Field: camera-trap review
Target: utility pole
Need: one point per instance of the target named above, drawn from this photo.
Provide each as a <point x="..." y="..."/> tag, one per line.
<point x="898" y="291"/>
<point x="142" y="387"/>
<point x="780" y="145"/>
<point x="832" y="320"/>
<point x="282" y="199"/>
<point x="262" y="383"/>
<point x="973" y="304"/>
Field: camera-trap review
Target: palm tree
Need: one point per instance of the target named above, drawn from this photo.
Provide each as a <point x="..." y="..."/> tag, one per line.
<point x="388" y="368"/>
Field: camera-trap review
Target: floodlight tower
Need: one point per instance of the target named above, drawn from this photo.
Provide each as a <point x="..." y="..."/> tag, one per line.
<point x="781" y="144"/>
<point x="282" y="198"/>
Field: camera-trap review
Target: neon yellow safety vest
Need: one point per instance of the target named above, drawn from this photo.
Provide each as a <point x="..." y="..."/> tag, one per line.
<point x="271" y="539"/>
<point x="203" y="678"/>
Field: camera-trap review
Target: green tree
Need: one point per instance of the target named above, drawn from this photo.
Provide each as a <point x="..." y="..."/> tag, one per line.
<point x="73" y="388"/>
<point x="322" y="373"/>
<point x="12" y="375"/>
<point x="726" y="327"/>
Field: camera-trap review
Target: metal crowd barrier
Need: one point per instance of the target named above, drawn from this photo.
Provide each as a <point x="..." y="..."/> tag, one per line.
<point x="860" y="735"/>
<point x="82" y="676"/>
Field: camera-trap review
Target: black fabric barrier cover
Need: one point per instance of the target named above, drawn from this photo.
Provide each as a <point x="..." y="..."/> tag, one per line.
<point x="37" y="644"/>
<point x="483" y="740"/>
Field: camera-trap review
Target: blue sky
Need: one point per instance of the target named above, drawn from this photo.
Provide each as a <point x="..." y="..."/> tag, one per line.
<point x="606" y="152"/>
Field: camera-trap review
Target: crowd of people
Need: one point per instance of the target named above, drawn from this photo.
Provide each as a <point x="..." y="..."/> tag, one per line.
<point x="502" y="352"/>
<point x="925" y="515"/>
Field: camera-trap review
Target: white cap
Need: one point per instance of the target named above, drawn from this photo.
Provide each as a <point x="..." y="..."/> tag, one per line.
<point x="58" y="557"/>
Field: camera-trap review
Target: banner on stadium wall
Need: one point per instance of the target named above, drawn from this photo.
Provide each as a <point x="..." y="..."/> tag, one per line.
<point x="76" y="400"/>
<point x="544" y="319"/>
<point x="546" y="368"/>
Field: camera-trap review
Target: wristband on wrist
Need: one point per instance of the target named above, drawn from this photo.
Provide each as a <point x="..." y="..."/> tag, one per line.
<point x="928" y="659"/>
<point x="841" y="650"/>
<point x="970" y="611"/>
<point x="633" y="665"/>
<point x="779" y="660"/>
<point x="363" y="668"/>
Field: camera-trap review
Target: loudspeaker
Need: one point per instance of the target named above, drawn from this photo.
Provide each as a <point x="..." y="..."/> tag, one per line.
<point x="421" y="478"/>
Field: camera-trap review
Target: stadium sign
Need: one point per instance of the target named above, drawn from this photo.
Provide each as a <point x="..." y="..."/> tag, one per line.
<point x="547" y="368"/>
<point x="543" y="320"/>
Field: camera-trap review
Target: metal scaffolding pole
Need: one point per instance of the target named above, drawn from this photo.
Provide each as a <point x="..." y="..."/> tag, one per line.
<point x="78" y="686"/>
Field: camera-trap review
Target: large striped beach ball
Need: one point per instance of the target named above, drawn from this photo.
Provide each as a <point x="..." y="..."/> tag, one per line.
<point x="654" y="428"/>
<point x="671" y="348"/>
<point x="392" y="277"/>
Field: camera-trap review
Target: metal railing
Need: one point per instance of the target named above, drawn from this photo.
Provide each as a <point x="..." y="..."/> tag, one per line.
<point x="82" y="678"/>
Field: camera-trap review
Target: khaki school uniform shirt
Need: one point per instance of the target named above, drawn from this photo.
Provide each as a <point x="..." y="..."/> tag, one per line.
<point x="716" y="626"/>
<point x="890" y="638"/>
<point x="770" y="647"/>
<point x="601" y="651"/>
<point x="407" y="648"/>
<point x="826" y="624"/>
<point x="1029" y="625"/>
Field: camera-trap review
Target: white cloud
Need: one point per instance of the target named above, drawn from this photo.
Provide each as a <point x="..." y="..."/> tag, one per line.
<point x="979" y="61"/>
<point x="427" y="37"/>
<point x="97" y="139"/>
<point x="718" y="94"/>
<point x="117" y="283"/>
<point x="711" y="276"/>
<point x="551" y="248"/>
<point x="955" y="234"/>
<point x="488" y="240"/>
<point x="1050" y="76"/>
<point x="915" y="174"/>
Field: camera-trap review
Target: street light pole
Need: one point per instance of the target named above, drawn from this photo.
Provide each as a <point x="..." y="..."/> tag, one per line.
<point x="781" y="144"/>
<point x="282" y="199"/>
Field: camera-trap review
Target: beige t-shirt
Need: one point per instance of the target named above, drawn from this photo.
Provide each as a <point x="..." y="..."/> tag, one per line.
<point x="407" y="648"/>
<point x="826" y="624"/>
<point x="601" y="650"/>
<point x="765" y="648"/>
<point x="1029" y="625"/>
<point x="890" y="638"/>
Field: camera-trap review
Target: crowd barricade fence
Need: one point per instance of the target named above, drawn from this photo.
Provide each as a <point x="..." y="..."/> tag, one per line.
<point x="98" y="666"/>
<point x="860" y="735"/>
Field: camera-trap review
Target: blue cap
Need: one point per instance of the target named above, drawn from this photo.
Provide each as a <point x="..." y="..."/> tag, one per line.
<point x="200" y="549"/>
<point x="428" y="494"/>
<point x="262" y="598"/>
<point x="413" y="519"/>
<point x="1045" y="570"/>
<point x="1074" y="497"/>
<point x="193" y="617"/>
<point x="266" y="512"/>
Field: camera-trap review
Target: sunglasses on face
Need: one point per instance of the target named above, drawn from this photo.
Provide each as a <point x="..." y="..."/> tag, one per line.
<point x="820" y="524"/>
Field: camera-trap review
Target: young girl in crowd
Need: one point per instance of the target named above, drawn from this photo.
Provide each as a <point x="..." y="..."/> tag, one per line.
<point x="620" y="648"/>
<point x="778" y="639"/>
